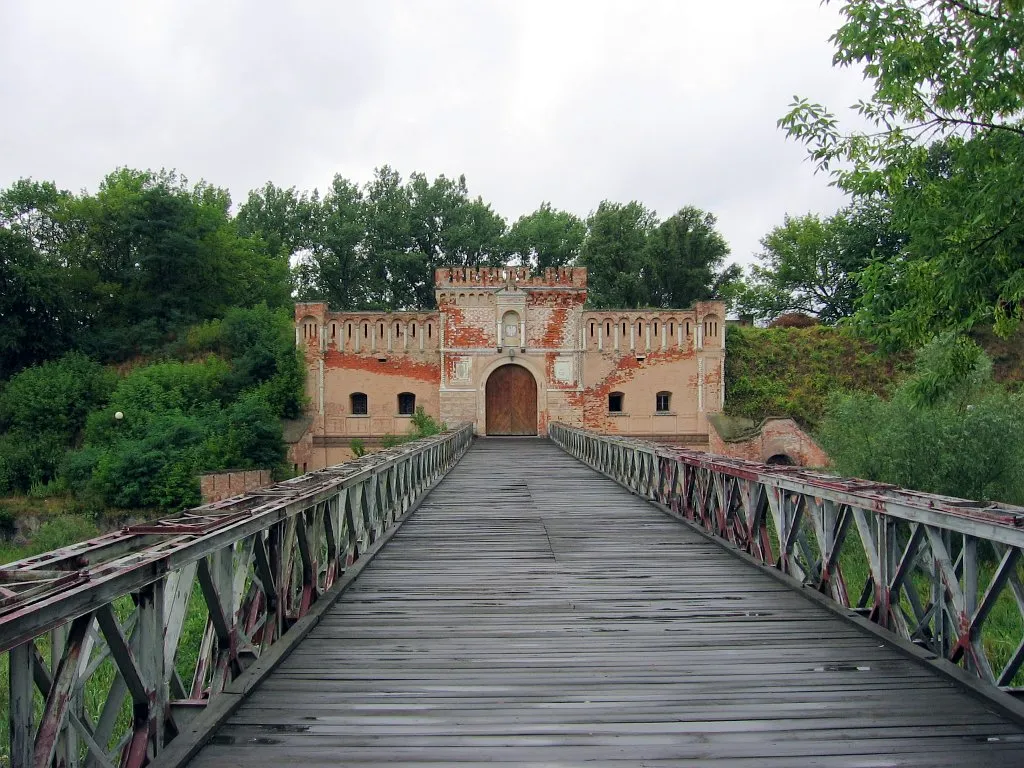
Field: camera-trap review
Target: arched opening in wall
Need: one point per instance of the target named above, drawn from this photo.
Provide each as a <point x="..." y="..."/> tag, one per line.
<point x="430" y="330"/>
<point x="381" y="331"/>
<point x="711" y="327"/>
<point x="412" y="329"/>
<point x="406" y="403"/>
<point x="781" y="460"/>
<point x="366" y="330"/>
<point x="639" y="329"/>
<point x="624" y="329"/>
<point x="511" y="401"/>
<point x="308" y="328"/>
<point x="655" y="328"/>
<point x="359" y="404"/>
<point x="608" y="328"/>
<point x="348" y="330"/>
<point x="671" y="331"/>
<point x="334" y="330"/>
<point x="510" y="326"/>
<point x="593" y="326"/>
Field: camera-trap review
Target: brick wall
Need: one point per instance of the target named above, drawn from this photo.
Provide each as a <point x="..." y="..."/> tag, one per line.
<point x="223" y="485"/>
<point x="775" y="437"/>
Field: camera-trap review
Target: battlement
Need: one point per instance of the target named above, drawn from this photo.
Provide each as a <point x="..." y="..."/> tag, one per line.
<point x="561" y="277"/>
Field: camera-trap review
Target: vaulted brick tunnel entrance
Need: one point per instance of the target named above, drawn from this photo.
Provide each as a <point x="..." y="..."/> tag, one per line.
<point x="511" y="402"/>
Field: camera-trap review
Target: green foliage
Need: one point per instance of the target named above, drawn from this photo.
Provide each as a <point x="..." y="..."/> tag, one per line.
<point x="942" y="152"/>
<point x="180" y="419"/>
<point x="684" y="256"/>
<point x="424" y="425"/>
<point x="794" y="371"/>
<point x="390" y="441"/>
<point x="633" y="260"/>
<point x="979" y="426"/>
<point x="43" y="409"/>
<point x="613" y="254"/>
<point x="358" y="447"/>
<point x="61" y="532"/>
<point x="55" y="396"/>
<point x="810" y="264"/>
<point x="546" y="238"/>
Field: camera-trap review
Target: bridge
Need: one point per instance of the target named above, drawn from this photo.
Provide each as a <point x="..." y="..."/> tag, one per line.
<point x="529" y="602"/>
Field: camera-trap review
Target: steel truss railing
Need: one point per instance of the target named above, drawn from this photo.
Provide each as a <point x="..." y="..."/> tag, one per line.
<point x="934" y="570"/>
<point x="111" y="613"/>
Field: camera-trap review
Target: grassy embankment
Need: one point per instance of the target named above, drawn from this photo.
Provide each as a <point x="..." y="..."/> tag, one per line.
<point x="795" y="371"/>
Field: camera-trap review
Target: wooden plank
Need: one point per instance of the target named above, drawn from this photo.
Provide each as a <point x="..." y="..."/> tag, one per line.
<point x="534" y="612"/>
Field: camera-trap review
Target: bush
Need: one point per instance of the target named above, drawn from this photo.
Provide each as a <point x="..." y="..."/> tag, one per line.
<point x="27" y="459"/>
<point x="55" y="397"/>
<point x="424" y="425"/>
<point x="963" y="439"/>
<point x="358" y="447"/>
<point x="252" y="434"/>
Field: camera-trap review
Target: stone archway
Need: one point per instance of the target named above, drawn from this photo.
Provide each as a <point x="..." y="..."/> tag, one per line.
<point x="511" y="402"/>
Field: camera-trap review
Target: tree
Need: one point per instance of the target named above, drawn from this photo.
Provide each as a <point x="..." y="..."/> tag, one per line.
<point x="684" y="256"/>
<point x="334" y="268"/>
<point x="943" y="148"/>
<point x="282" y="218"/>
<point x="613" y="254"/>
<point x="546" y="238"/>
<point x="41" y="293"/>
<point x="810" y="264"/>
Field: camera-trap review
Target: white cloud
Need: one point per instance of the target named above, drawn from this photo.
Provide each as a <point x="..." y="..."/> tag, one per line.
<point x="670" y="103"/>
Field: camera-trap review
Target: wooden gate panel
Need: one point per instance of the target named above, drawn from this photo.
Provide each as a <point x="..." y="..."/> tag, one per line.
<point x="511" y="401"/>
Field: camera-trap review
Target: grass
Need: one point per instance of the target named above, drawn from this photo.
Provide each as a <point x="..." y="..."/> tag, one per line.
<point x="793" y="371"/>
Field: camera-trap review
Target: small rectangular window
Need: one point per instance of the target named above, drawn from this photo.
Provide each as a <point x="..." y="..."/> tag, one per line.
<point x="359" y="404"/>
<point x="662" y="402"/>
<point x="615" y="402"/>
<point x="406" y="404"/>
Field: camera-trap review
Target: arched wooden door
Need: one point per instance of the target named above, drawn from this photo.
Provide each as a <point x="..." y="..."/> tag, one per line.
<point x="511" y="402"/>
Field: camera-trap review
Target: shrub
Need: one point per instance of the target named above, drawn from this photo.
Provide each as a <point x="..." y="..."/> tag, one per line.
<point x="424" y="425"/>
<point x="358" y="447"/>
<point x="55" y="397"/>
<point x="252" y="435"/>
<point x="961" y="439"/>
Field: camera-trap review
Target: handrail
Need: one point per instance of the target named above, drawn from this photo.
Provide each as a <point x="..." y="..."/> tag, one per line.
<point x="930" y="568"/>
<point x="249" y="567"/>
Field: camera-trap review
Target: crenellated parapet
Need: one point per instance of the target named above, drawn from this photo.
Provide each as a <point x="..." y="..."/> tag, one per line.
<point x="522" y="277"/>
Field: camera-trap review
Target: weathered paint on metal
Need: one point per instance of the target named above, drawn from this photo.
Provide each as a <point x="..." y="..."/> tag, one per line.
<point x="800" y="522"/>
<point x="261" y="561"/>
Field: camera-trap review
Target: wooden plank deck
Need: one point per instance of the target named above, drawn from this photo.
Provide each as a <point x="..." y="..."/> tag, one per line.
<point x="532" y="612"/>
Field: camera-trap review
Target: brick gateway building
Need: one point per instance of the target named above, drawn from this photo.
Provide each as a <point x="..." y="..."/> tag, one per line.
<point x="510" y="352"/>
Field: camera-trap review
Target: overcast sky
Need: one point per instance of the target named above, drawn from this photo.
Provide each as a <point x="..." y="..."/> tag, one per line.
<point x="670" y="103"/>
